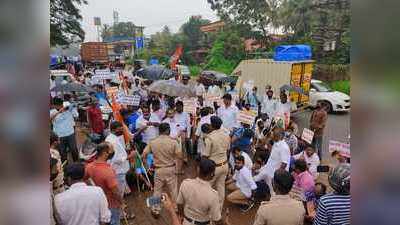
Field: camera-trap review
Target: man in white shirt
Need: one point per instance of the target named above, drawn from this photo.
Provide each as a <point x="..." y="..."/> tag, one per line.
<point x="228" y="113"/>
<point x="119" y="161"/>
<point x="183" y="120"/>
<point x="236" y="152"/>
<point x="283" y="108"/>
<point x="244" y="187"/>
<point x="81" y="204"/>
<point x="268" y="103"/>
<point x="278" y="159"/>
<point x="311" y="157"/>
<point x="63" y="122"/>
<point x="174" y="126"/>
<point x="147" y="125"/>
<point x="200" y="89"/>
<point x="205" y="118"/>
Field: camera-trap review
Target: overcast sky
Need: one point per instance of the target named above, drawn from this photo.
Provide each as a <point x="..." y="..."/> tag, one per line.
<point x="153" y="14"/>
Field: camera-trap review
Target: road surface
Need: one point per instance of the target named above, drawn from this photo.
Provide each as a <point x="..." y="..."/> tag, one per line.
<point x="337" y="129"/>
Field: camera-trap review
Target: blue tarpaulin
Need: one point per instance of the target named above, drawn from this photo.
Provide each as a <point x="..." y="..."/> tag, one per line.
<point x="292" y="53"/>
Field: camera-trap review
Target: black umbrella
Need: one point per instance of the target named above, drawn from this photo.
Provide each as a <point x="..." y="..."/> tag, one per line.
<point x="156" y="72"/>
<point x="72" y="87"/>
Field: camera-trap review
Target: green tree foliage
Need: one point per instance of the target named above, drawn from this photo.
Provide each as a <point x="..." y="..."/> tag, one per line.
<point x="65" y="19"/>
<point x="194" y="37"/>
<point x="125" y="29"/>
<point x="257" y="14"/>
<point x="226" y="53"/>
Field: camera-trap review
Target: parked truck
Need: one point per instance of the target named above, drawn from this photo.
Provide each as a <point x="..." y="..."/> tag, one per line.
<point x="94" y="52"/>
<point x="263" y="72"/>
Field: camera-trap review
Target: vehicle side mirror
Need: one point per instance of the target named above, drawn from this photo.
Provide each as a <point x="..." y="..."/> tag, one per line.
<point x="313" y="90"/>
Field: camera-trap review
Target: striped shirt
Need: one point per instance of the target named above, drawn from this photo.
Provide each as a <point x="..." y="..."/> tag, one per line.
<point x="333" y="209"/>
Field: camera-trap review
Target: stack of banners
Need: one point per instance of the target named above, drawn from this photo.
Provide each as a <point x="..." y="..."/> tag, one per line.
<point x="190" y="106"/>
<point x="133" y="100"/>
<point x="112" y="91"/>
<point x="247" y="117"/>
<point x="342" y="148"/>
<point x="307" y="135"/>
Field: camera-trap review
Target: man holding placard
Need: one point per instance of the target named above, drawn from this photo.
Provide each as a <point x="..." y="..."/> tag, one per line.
<point x="228" y="113"/>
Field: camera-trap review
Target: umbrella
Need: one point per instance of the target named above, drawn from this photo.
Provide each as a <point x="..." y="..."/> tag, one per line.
<point x="172" y="88"/>
<point x="291" y="88"/>
<point x="156" y="72"/>
<point x="70" y="87"/>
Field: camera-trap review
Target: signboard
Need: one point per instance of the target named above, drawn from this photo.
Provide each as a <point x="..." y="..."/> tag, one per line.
<point x="307" y="135"/>
<point x="190" y="106"/>
<point x="112" y="91"/>
<point x="343" y="148"/>
<point x="133" y="100"/>
<point x="104" y="75"/>
<point x="247" y="117"/>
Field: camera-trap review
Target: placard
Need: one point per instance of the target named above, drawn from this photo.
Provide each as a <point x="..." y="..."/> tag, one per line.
<point x="104" y="75"/>
<point x="59" y="73"/>
<point x="190" y="106"/>
<point x="112" y="91"/>
<point x="247" y="117"/>
<point x="343" y="148"/>
<point x="210" y="99"/>
<point x="307" y="135"/>
<point x="133" y="100"/>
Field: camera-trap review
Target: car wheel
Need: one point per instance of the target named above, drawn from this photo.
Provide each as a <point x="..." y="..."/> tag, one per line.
<point x="329" y="107"/>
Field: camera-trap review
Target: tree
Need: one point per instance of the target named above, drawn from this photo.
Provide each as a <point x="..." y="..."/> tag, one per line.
<point x="121" y="29"/>
<point x="193" y="35"/>
<point x="226" y="53"/>
<point x="65" y="19"/>
<point x="257" y="14"/>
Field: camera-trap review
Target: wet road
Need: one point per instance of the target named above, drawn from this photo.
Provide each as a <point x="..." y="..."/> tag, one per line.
<point x="337" y="129"/>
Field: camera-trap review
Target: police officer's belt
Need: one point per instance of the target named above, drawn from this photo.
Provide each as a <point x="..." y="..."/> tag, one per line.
<point x="161" y="167"/>
<point x="197" y="222"/>
<point x="221" y="164"/>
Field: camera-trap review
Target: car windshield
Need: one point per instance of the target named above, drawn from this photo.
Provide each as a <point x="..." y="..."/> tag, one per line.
<point x="322" y="87"/>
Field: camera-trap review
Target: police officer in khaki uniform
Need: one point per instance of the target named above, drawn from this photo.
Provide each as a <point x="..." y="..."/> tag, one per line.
<point x="165" y="151"/>
<point x="281" y="209"/>
<point x="197" y="202"/>
<point x="217" y="144"/>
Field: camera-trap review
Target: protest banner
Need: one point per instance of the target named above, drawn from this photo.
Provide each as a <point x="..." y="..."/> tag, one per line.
<point x="343" y="148"/>
<point x="307" y="135"/>
<point x="247" y="117"/>
<point x="59" y="73"/>
<point x="190" y="106"/>
<point x="133" y="100"/>
<point x="210" y="99"/>
<point x="112" y="91"/>
<point x="104" y="76"/>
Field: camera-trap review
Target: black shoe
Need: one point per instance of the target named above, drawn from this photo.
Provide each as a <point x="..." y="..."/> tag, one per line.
<point x="246" y="208"/>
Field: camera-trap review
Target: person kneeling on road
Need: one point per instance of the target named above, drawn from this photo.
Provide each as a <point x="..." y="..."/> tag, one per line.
<point x="244" y="187"/>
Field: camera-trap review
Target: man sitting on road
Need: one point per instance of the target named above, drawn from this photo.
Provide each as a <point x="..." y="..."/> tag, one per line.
<point x="244" y="187"/>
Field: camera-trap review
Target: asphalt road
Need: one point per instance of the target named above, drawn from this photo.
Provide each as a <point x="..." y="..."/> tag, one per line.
<point x="337" y="129"/>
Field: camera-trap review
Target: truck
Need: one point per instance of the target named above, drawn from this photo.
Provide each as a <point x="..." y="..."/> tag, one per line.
<point x="94" y="52"/>
<point x="263" y="72"/>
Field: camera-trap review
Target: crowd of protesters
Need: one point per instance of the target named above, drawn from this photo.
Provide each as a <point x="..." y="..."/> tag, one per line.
<point x="264" y="163"/>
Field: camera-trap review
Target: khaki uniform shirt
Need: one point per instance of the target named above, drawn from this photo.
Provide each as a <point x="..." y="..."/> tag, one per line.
<point x="165" y="151"/>
<point x="217" y="144"/>
<point x="58" y="182"/>
<point x="200" y="201"/>
<point x="280" y="210"/>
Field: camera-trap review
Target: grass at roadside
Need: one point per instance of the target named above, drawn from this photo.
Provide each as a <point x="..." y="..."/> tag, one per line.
<point x="342" y="86"/>
<point x="195" y="70"/>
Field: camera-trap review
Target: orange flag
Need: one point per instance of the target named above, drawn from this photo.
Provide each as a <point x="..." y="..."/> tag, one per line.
<point x="118" y="117"/>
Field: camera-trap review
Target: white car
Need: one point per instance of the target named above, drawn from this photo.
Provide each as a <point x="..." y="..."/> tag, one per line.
<point x="336" y="101"/>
